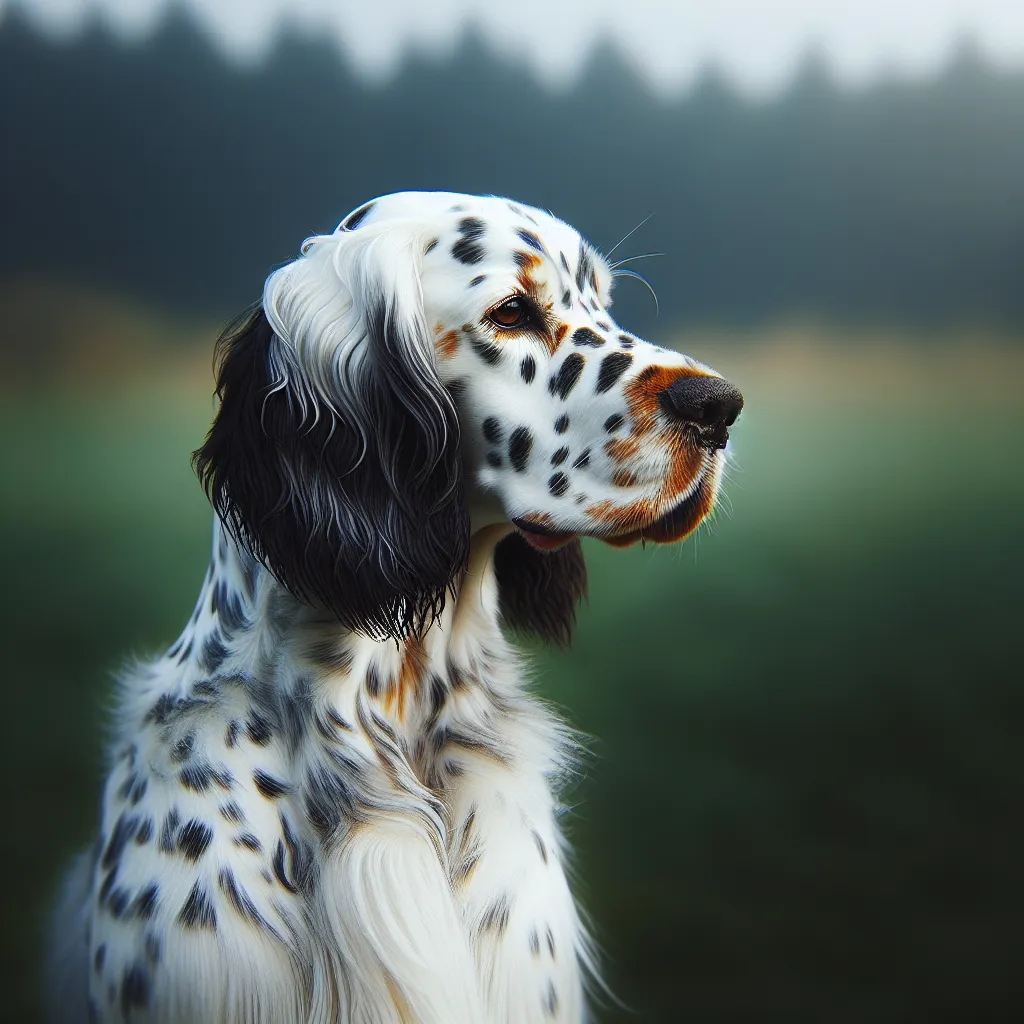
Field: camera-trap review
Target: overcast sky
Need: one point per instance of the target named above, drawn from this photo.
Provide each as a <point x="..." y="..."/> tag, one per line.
<point x="757" y="43"/>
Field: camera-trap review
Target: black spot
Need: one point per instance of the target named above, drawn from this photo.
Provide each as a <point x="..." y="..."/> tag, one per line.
<point x="551" y="1000"/>
<point x="214" y="653"/>
<point x="603" y="326"/>
<point x="562" y="424"/>
<point x="567" y="299"/>
<point x="582" y="460"/>
<point x="626" y="341"/>
<point x="595" y="305"/>
<point x="467" y="249"/>
<point x="522" y="259"/>
<point x="194" y="839"/>
<point x="249" y="841"/>
<point x="613" y="423"/>
<point x="197" y="911"/>
<point x="551" y="941"/>
<point x="239" y="898"/>
<point x="322" y="788"/>
<point x="118" y="901"/>
<point x="145" y="832"/>
<point x="560" y="456"/>
<point x="231" y="611"/>
<point x="197" y="776"/>
<point x="530" y="239"/>
<point x="496" y="916"/>
<point x="568" y="374"/>
<point x="519" y="447"/>
<point x="354" y="219"/>
<point x="558" y="484"/>
<point x="270" y="787"/>
<point x="430" y="246"/>
<point x="232" y="812"/>
<point x="152" y="948"/>
<point x="528" y="369"/>
<point x="99" y="957"/>
<point x="258" y="729"/>
<point x="494" y="460"/>
<point x="586" y="338"/>
<point x="169" y="830"/>
<point x="612" y="368"/>
<point x="541" y="848"/>
<point x="583" y="267"/>
<point x="438" y="696"/>
<point x="145" y="903"/>
<point x="564" y="262"/>
<point x="134" y="989"/>
<point x="139" y="790"/>
<point x="477" y="280"/>
<point x="205" y="688"/>
<point x="374" y="683"/>
<point x="279" y="868"/>
<point x="486" y="350"/>
<point x="126" y="787"/>
<point x="492" y="430"/>
<point x="231" y="736"/>
<point x="124" y="830"/>
<point x="182" y="750"/>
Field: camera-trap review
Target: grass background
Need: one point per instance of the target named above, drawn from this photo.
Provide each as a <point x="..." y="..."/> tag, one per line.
<point x="805" y="797"/>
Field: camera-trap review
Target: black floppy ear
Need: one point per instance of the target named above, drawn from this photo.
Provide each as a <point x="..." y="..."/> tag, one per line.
<point x="334" y="454"/>
<point x="538" y="592"/>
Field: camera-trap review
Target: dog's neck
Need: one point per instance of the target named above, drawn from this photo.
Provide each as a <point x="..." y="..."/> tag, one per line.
<point x="246" y="626"/>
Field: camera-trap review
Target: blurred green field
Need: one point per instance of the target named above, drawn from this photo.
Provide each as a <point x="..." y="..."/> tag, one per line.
<point x="805" y="800"/>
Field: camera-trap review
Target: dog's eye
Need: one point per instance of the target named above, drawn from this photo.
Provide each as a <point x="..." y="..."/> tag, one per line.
<point x="512" y="314"/>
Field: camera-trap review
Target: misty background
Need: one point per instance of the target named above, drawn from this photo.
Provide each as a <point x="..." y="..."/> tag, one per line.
<point x="804" y="801"/>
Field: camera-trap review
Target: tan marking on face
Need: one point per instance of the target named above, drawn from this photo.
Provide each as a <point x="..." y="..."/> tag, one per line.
<point x="643" y="390"/>
<point x="625" y="478"/>
<point x="560" y="332"/>
<point x="623" y="517"/>
<point x="539" y="519"/>
<point x="619" y="449"/>
<point x="633" y="521"/>
<point x="447" y="345"/>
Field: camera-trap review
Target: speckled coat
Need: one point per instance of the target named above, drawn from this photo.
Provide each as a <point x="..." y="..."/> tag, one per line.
<point x="334" y="798"/>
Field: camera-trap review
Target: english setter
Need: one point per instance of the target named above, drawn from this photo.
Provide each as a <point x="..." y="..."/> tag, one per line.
<point x="333" y="799"/>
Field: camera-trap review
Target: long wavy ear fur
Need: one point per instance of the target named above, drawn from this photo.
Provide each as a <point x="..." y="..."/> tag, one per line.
<point x="334" y="454"/>
<point x="538" y="592"/>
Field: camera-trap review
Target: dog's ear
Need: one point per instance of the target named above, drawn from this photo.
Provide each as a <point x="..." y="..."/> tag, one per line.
<point x="334" y="455"/>
<point x="538" y="592"/>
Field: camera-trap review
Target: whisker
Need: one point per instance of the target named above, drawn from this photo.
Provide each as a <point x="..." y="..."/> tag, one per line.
<point x="629" y="259"/>
<point x="627" y="234"/>
<point x="643" y="280"/>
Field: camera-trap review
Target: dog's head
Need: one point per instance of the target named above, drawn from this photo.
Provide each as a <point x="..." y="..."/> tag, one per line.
<point x="438" y="364"/>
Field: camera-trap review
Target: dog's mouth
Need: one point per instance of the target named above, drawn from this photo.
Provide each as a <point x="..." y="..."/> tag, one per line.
<point x="675" y="524"/>
<point x="671" y="526"/>
<point x="540" y="536"/>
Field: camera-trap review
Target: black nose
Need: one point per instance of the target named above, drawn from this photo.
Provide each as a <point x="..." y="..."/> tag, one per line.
<point x="708" y="403"/>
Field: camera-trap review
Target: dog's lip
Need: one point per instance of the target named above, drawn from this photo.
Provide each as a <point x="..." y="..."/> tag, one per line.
<point x="543" y="538"/>
<point x="679" y="521"/>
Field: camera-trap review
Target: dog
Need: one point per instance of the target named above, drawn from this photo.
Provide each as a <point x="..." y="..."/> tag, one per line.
<point x="333" y="799"/>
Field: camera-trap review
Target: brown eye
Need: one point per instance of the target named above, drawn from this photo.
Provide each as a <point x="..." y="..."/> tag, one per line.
<point x="511" y="314"/>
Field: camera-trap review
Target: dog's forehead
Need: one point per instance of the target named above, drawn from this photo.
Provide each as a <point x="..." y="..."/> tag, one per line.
<point x="446" y="210"/>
